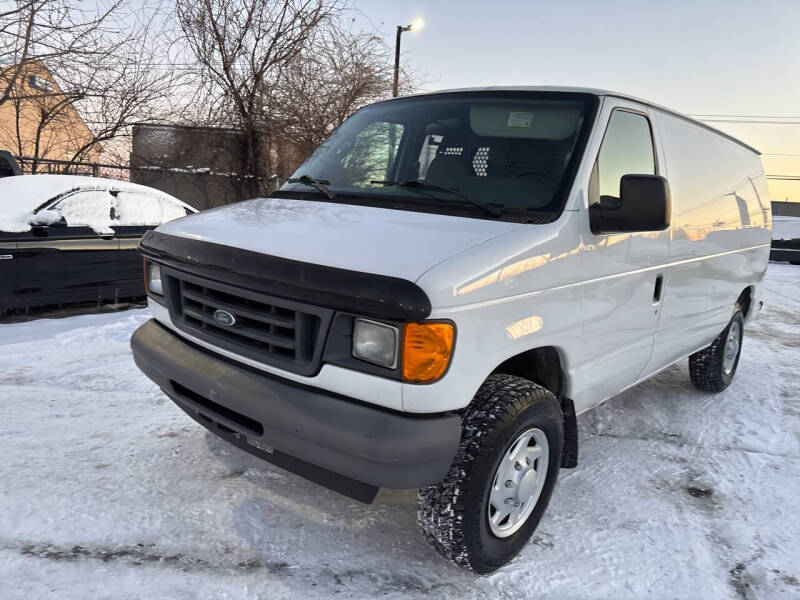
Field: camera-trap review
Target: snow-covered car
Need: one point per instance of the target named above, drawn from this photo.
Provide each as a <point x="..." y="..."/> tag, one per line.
<point x="446" y="282"/>
<point x="786" y="239"/>
<point x="67" y="239"/>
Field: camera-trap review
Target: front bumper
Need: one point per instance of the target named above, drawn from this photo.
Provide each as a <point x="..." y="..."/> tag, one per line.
<point x="342" y="444"/>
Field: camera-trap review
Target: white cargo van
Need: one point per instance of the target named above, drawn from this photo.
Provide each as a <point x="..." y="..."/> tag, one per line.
<point x="446" y="282"/>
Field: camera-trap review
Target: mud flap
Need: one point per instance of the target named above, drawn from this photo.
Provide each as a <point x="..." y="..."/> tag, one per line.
<point x="569" y="453"/>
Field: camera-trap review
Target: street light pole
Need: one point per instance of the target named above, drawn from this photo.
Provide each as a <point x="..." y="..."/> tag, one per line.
<point x="400" y="30"/>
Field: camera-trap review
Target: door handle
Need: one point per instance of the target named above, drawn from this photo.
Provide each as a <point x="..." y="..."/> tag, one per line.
<point x="6" y="256"/>
<point x="658" y="289"/>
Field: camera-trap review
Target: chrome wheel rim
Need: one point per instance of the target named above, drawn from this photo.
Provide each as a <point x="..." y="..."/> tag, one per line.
<point x="518" y="482"/>
<point x="731" y="347"/>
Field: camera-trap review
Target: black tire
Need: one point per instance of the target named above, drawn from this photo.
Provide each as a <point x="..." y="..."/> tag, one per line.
<point x="706" y="367"/>
<point x="794" y="262"/>
<point x="453" y="514"/>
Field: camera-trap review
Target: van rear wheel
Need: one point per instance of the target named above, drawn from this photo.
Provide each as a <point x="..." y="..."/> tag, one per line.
<point x="489" y="504"/>
<point x="712" y="369"/>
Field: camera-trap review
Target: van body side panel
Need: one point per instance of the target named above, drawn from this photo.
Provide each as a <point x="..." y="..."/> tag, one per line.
<point x="720" y="235"/>
<point x="509" y="295"/>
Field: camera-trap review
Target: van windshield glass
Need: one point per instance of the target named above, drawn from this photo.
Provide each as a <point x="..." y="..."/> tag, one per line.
<point x="487" y="153"/>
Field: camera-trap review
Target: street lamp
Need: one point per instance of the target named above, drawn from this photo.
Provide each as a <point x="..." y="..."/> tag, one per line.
<point x="400" y="29"/>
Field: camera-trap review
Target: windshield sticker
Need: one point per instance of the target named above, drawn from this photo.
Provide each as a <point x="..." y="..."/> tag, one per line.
<point x="520" y="119"/>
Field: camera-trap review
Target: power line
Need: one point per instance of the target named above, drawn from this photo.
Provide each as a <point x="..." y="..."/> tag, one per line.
<point x="745" y="122"/>
<point x="742" y="116"/>
<point x="784" y="177"/>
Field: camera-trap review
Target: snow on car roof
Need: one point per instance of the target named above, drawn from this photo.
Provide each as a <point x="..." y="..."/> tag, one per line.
<point x="25" y="193"/>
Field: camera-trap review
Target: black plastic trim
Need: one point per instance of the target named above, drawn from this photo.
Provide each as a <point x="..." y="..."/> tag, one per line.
<point x="346" y="486"/>
<point x="367" y="294"/>
<point x="365" y="443"/>
<point x="309" y="329"/>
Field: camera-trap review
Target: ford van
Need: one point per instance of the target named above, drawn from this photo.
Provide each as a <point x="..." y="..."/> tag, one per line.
<point x="446" y="282"/>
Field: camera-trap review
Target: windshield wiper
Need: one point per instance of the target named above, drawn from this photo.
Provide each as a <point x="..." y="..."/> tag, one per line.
<point x="423" y="186"/>
<point x="319" y="184"/>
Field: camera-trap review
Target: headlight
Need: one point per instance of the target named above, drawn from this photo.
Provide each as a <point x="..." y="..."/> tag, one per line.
<point x="375" y="343"/>
<point x="154" y="284"/>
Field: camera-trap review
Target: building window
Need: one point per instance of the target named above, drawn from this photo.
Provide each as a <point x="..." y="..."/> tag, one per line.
<point x="40" y="83"/>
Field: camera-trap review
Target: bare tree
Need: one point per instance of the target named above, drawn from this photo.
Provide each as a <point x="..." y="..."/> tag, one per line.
<point x="241" y="48"/>
<point x="337" y="72"/>
<point x="130" y="83"/>
<point x="105" y="77"/>
<point x="46" y="30"/>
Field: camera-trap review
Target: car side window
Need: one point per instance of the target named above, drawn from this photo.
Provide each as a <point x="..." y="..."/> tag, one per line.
<point x="627" y="150"/>
<point x="132" y="209"/>
<point x="91" y="208"/>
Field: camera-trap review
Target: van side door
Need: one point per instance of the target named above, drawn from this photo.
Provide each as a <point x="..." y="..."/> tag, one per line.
<point x="623" y="271"/>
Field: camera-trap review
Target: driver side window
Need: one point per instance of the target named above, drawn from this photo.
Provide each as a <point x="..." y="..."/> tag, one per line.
<point x="373" y="153"/>
<point x="627" y="150"/>
<point x="88" y="209"/>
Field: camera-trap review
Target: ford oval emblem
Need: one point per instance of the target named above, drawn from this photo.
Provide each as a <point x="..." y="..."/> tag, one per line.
<point x="224" y="318"/>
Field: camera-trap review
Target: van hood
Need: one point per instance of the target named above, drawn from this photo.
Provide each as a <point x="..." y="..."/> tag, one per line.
<point x="382" y="241"/>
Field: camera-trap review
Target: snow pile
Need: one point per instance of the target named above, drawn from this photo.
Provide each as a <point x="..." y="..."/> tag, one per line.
<point x="107" y="489"/>
<point x="24" y="221"/>
<point x="15" y="223"/>
<point x="25" y="193"/>
<point x="46" y="217"/>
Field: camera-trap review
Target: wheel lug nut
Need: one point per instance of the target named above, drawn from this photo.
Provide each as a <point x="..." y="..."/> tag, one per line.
<point x="510" y="501"/>
<point x="509" y="483"/>
<point x="518" y="466"/>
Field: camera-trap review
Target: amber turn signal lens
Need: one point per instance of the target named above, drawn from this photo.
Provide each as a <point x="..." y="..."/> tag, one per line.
<point x="427" y="348"/>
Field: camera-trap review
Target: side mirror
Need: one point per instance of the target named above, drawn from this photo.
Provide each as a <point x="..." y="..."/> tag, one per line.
<point x="48" y="218"/>
<point x="644" y="205"/>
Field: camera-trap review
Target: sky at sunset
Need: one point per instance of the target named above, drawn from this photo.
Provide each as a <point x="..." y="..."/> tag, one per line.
<point x="704" y="57"/>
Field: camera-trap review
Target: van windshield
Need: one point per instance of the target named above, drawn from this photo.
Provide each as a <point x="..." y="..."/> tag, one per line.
<point x="494" y="155"/>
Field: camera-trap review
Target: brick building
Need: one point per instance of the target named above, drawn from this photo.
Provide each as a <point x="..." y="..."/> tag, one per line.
<point x="37" y="122"/>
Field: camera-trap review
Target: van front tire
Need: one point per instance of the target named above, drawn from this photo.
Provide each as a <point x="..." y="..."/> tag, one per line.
<point x="513" y="430"/>
<point x="712" y="369"/>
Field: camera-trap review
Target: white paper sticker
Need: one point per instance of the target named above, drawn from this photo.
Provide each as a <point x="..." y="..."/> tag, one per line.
<point x="520" y="119"/>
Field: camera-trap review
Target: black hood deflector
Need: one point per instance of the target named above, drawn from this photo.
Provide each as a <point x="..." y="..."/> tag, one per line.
<point x="366" y="294"/>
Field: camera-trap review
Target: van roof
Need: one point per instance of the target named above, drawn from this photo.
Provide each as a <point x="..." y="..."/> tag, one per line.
<point x="593" y="91"/>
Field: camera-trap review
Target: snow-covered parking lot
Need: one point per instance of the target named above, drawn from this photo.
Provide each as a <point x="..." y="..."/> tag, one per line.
<point x="107" y="490"/>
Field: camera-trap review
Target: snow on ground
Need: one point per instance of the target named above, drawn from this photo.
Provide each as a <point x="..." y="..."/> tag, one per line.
<point x="108" y="490"/>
